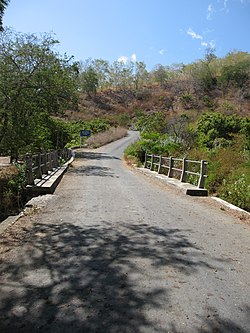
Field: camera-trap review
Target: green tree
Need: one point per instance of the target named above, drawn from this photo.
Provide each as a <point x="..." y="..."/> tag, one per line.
<point x="34" y="81"/>
<point x="102" y="70"/>
<point x="88" y="80"/>
<point x="235" y="70"/>
<point x="152" y="123"/>
<point x="217" y="129"/>
<point x="3" y="5"/>
<point x="160" y="74"/>
<point x="140" y="75"/>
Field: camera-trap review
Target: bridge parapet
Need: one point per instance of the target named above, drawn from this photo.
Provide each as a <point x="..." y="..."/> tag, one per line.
<point x="185" y="170"/>
<point x="44" y="170"/>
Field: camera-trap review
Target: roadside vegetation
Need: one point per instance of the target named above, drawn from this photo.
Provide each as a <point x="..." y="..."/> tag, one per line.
<point x="200" y="110"/>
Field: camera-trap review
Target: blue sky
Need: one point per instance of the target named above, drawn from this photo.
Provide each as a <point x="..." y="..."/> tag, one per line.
<point x="154" y="31"/>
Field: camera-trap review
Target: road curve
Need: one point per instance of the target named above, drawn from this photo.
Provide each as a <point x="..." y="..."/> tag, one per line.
<point x="113" y="252"/>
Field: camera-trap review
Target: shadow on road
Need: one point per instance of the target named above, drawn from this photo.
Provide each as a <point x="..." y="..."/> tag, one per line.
<point x="73" y="279"/>
<point x="93" y="170"/>
<point x="95" y="156"/>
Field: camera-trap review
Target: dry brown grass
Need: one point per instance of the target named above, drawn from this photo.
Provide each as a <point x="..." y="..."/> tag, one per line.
<point x="8" y="171"/>
<point x="113" y="134"/>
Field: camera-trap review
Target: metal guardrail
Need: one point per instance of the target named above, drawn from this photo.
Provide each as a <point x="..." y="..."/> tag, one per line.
<point x="42" y="164"/>
<point x="178" y="168"/>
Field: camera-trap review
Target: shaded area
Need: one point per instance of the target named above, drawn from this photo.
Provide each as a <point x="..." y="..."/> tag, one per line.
<point x="93" y="170"/>
<point x="76" y="279"/>
<point x="216" y="324"/>
<point x="95" y="156"/>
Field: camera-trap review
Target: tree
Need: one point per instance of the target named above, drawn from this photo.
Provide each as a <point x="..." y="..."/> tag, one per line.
<point x="102" y="69"/>
<point x="217" y="129"/>
<point x="35" y="82"/>
<point x="121" y="74"/>
<point x="160" y="74"/>
<point x="3" y="5"/>
<point x="236" y="70"/>
<point x="88" y="78"/>
<point x="140" y="74"/>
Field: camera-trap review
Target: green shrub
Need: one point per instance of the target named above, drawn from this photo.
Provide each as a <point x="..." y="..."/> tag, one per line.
<point x="135" y="152"/>
<point x="236" y="190"/>
<point x="187" y="100"/>
<point x="208" y="102"/>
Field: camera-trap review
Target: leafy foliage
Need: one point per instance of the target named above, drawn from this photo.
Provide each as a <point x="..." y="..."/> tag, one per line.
<point x="236" y="189"/>
<point x="216" y="129"/>
<point x="34" y="82"/>
<point x="154" y="123"/>
<point x="3" y="5"/>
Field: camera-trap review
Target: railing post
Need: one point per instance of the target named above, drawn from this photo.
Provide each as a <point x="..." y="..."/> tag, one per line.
<point x="45" y="163"/>
<point x="152" y="162"/>
<point x="160" y="162"/>
<point x="39" y="166"/>
<point x="171" y="164"/>
<point x="56" y="158"/>
<point x="203" y="171"/>
<point x="53" y="159"/>
<point x="184" y="169"/>
<point x="50" y="162"/>
<point x="29" y="173"/>
<point x="145" y="162"/>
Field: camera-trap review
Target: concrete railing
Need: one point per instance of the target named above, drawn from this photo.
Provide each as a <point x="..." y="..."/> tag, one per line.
<point x="177" y="168"/>
<point x="41" y="164"/>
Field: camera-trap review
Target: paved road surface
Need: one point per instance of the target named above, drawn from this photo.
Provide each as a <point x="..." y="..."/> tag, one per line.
<point x="114" y="252"/>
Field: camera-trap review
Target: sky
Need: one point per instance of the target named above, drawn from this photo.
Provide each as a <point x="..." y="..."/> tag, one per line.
<point x="154" y="31"/>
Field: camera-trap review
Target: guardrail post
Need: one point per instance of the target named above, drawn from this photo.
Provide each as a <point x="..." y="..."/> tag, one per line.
<point x="145" y="162"/>
<point x="170" y="169"/>
<point x="152" y="162"/>
<point x="44" y="163"/>
<point x="203" y="171"/>
<point x="39" y="173"/>
<point x="56" y="159"/>
<point x="184" y="169"/>
<point x="29" y="173"/>
<point x="50" y="162"/>
<point x="160" y="162"/>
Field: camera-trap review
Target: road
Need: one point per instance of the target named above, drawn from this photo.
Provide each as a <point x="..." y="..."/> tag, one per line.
<point x="116" y="252"/>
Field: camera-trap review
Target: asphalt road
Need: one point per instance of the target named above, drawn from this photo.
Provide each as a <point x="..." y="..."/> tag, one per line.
<point x="115" y="252"/>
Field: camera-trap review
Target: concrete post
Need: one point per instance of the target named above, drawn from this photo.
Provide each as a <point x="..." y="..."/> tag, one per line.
<point x="152" y="162"/>
<point x="160" y="162"/>
<point x="29" y="172"/>
<point x="203" y="171"/>
<point x="170" y="169"/>
<point x="184" y="169"/>
<point x="145" y="162"/>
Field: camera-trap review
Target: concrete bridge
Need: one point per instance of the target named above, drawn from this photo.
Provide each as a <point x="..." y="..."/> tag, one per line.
<point x="117" y="250"/>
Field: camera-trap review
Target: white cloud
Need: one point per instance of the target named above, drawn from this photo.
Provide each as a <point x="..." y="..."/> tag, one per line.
<point x="193" y="34"/>
<point x="133" y="57"/>
<point x="212" y="44"/>
<point x="123" y="59"/>
<point x="209" y="44"/>
<point x="126" y="59"/>
<point x="161" y="52"/>
<point x="210" y="11"/>
<point x="204" y="44"/>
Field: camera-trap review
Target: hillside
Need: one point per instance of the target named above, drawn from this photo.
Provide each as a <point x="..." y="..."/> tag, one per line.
<point x="123" y="106"/>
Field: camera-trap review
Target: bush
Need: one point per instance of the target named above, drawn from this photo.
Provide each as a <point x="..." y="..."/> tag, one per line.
<point x="134" y="153"/>
<point x="187" y="100"/>
<point x="12" y="190"/>
<point x="236" y="190"/>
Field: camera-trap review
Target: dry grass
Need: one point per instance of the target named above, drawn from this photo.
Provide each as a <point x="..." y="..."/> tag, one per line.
<point x="8" y="171"/>
<point x="113" y="134"/>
